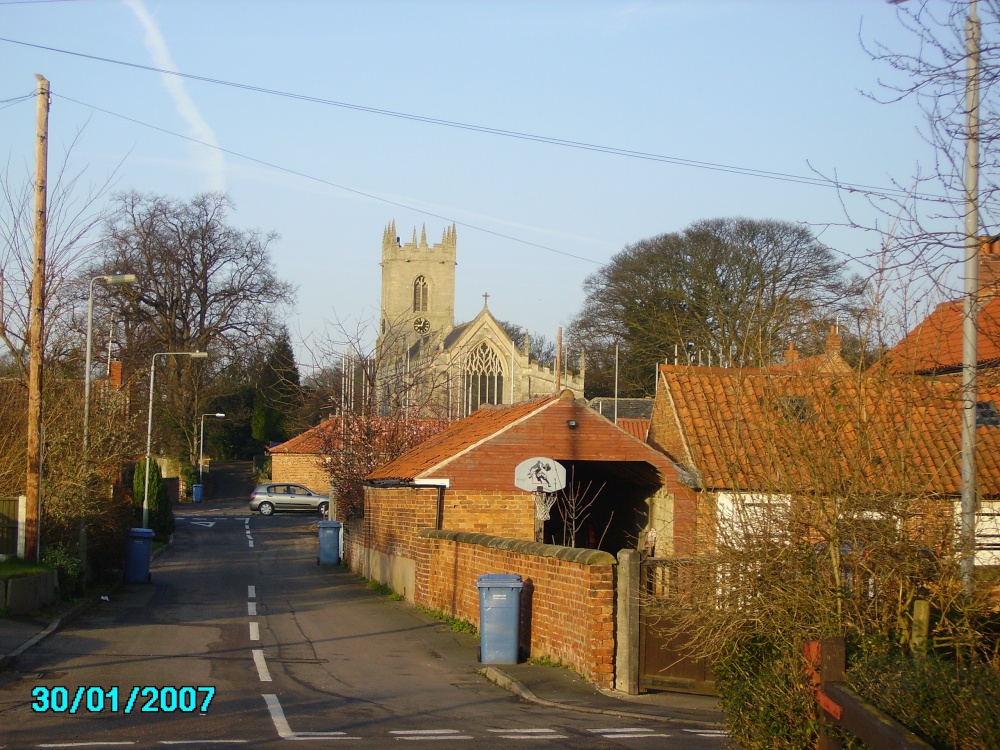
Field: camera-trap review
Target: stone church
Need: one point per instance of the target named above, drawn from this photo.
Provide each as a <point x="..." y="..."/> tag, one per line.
<point x="429" y="364"/>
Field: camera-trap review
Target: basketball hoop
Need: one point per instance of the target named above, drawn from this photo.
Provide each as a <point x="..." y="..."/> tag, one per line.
<point x="543" y="504"/>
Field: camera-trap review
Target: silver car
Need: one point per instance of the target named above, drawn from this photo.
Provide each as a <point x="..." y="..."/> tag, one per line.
<point x="268" y="498"/>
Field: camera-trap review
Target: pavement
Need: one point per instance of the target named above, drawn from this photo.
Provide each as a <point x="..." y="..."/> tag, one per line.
<point x="552" y="686"/>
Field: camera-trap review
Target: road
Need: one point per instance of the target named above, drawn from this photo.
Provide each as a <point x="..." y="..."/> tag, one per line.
<point x="291" y="651"/>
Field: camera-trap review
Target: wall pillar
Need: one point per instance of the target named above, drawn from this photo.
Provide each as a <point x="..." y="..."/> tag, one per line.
<point x="627" y="623"/>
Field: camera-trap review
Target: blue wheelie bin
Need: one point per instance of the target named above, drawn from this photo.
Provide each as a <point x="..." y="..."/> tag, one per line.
<point x="329" y="542"/>
<point x="499" y="617"/>
<point x="140" y="550"/>
<point x="197" y="491"/>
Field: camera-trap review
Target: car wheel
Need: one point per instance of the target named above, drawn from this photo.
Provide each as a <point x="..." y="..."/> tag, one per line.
<point x="266" y="509"/>
<point x="323" y="508"/>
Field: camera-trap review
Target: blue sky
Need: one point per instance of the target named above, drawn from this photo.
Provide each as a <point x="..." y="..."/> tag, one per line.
<point x="772" y="85"/>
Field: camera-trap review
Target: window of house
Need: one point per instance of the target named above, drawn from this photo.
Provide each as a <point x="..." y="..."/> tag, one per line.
<point x="483" y="378"/>
<point x="420" y="294"/>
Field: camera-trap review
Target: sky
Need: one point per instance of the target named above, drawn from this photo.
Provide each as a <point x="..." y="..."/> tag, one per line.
<point x="772" y="85"/>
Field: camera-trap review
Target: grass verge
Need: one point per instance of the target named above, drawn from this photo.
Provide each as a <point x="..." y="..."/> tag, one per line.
<point x="456" y="624"/>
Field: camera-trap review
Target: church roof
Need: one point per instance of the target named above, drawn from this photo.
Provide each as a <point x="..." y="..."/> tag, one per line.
<point x="628" y="408"/>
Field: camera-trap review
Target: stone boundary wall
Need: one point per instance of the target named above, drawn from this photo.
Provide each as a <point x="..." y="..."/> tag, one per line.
<point x="567" y="602"/>
<point x="28" y="593"/>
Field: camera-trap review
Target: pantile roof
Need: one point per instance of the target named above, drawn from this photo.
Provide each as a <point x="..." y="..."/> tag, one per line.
<point x="774" y="431"/>
<point x="480" y="425"/>
<point x="935" y="345"/>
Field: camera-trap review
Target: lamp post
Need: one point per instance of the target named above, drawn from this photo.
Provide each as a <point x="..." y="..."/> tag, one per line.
<point x="114" y="279"/>
<point x="201" y="447"/>
<point x="149" y="426"/>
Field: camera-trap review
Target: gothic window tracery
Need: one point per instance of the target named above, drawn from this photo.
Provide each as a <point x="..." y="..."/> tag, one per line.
<point x="483" y="378"/>
<point x="420" y="294"/>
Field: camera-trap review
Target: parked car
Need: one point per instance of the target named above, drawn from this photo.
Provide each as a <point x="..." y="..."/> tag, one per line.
<point x="267" y="498"/>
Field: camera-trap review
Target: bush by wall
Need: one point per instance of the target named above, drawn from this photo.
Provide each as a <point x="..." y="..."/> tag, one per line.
<point x="161" y="515"/>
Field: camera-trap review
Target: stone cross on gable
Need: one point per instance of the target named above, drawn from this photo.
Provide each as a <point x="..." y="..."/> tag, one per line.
<point x="486" y="299"/>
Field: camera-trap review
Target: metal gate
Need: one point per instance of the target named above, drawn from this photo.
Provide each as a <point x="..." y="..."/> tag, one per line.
<point x="664" y="660"/>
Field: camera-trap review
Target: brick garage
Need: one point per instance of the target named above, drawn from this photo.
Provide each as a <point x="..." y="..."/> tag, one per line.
<point x="462" y="481"/>
<point x="299" y="461"/>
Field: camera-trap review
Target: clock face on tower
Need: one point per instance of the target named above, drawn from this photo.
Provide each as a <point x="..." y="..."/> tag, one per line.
<point x="421" y="325"/>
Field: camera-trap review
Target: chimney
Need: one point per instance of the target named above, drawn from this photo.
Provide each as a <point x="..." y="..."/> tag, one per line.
<point x="791" y="354"/>
<point x="989" y="265"/>
<point x="833" y="341"/>
<point x="115" y="375"/>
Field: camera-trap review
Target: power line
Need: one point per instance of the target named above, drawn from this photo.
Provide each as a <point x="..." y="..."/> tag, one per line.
<point x="355" y="191"/>
<point x="873" y="190"/>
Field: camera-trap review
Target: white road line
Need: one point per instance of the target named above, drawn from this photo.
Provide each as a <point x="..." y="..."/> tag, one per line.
<point x="528" y="734"/>
<point x="84" y="744"/>
<point x="203" y="742"/>
<point x="285" y="731"/>
<point x="254" y="631"/>
<point x="251" y="542"/>
<point x="252" y="609"/>
<point x="430" y="734"/>
<point x="251" y="592"/>
<point x="258" y="660"/>
<point x="631" y="732"/>
<point x="707" y="732"/>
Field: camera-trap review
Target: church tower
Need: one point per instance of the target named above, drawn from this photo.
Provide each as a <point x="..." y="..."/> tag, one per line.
<point x="418" y="284"/>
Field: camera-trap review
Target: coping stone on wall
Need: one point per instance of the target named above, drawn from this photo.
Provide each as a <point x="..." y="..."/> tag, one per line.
<point x="580" y="555"/>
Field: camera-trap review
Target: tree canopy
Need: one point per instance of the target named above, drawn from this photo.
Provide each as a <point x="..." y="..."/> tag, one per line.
<point x="202" y="284"/>
<point x="727" y="291"/>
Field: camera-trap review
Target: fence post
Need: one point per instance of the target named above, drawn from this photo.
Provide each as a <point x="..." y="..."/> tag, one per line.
<point x="627" y="623"/>
<point x="22" y="514"/>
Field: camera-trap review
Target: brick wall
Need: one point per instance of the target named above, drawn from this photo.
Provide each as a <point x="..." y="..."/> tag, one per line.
<point x="300" y="468"/>
<point x="394" y="515"/>
<point x="505" y="514"/>
<point x="567" y="603"/>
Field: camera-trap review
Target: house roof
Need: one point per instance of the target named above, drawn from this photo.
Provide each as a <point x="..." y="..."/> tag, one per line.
<point x="935" y="345"/>
<point x="638" y="428"/>
<point x="629" y="408"/>
<point x="482" y="424"/>
<point x="776" y="431"/>
<point x="310" y="441"/>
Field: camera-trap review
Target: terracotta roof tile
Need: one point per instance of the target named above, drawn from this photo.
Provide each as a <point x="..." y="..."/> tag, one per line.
<point x="635" y="427"/>
<point x="754" y="430"/>
<point x="309" y="441"/>
<point x="935" y="345"/>
<point x="481" y="424"/>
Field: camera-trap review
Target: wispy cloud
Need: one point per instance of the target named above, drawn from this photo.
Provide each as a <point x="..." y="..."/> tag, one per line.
<point x="210" y="160"/>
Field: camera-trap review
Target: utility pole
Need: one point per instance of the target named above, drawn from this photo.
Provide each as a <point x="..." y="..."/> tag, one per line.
<point x="970" y="356"/>
<point x="36" y="342"/>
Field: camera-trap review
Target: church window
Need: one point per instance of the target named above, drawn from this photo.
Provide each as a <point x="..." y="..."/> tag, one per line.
<point x="483" y="378"/>
<point x="420" y="294"/>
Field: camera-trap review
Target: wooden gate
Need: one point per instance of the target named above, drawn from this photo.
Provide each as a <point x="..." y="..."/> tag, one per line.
<point x="8" y="525"/>
<point x="664" y="661"/>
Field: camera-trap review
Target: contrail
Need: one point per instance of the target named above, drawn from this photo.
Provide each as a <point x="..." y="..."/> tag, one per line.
<point x="211" y="160"/>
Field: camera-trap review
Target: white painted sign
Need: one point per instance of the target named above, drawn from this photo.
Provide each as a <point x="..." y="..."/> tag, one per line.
<point x="540" y="475"/>
<point x="206" y="524"/>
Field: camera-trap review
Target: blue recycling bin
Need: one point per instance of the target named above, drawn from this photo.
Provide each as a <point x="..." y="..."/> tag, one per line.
<point x="499" y="617"/>
<point x="197" y="490"/>
<point x="140" y="550"/>
<point x="329" y="542"/>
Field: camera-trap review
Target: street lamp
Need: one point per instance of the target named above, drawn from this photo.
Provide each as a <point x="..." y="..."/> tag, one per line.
<point x="114" y="279"/>
<point x="201" y="447"/>
<point x="149" y="426"/>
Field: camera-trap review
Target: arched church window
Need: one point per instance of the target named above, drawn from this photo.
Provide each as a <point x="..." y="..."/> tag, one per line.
<point x="420" y="294"/>
<point x="483" y="378"/>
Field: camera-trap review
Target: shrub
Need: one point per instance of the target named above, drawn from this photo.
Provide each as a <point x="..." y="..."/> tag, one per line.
<point x="161" y="515"/>
<point x="950" y="703"/>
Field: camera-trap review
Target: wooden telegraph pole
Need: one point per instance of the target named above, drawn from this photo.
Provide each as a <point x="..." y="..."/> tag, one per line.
<point x="36" y="343"/>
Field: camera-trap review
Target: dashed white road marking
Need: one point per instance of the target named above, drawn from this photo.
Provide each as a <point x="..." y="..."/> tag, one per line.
<point x="84" y="744"/>
<point x="707" y="732"/>
<point x="254" y="631"/>
<point x="258" y="660"/>
<point x="252" y="609"/>
<point x="614" y="732"/>
<point x="285" y="731"/>
<point x="251" y="542"/>
<point x="528" y="734"/>
<point x="203" y="742"/>
<point x="251" y="592"/>
<point x="429" y="734"/>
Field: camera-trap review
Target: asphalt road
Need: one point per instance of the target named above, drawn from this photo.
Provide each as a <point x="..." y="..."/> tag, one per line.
<point x="291" y="651"/>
